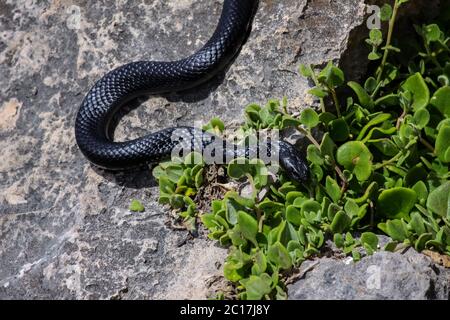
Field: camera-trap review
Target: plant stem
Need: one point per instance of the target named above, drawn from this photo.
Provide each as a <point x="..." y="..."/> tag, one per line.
<point x="388" y="162"/>
<point x="431" y="55"/>
<point x="388" y="41"/>
<point x="336" y="102"/>
<point x="400" y="119"/>
<point x="427" y="145"/>
<point x="317" y="84"/>
<point x="317" y="145"/>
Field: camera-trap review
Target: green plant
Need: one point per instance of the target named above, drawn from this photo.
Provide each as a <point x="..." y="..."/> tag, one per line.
<point x="136" y="206"/>
<point x="382" y="165"/>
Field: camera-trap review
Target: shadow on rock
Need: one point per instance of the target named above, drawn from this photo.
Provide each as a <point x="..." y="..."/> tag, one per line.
<point x="137" y="178"/>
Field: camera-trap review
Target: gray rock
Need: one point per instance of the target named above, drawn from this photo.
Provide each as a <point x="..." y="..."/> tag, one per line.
<point x="65" y="231"/>
<point x="384" y="275"/>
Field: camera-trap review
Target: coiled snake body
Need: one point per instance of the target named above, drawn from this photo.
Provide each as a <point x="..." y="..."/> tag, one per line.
<point x="135" y="79"/>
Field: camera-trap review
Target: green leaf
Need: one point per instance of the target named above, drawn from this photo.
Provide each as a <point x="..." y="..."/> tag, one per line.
<point x="199" y="179"/>
<point x="370" y="240"/>
<point x="327" y="147"/>
<point x="313" y="155"/>
<point x="293" y="215"/>
<point x="373" y="56"/>
<point x="356" y="157"/>
<point x="386" y="12"/>
<point x="422" y="241"/>
<point x="333" y="189"/>
<point x="417" y="223"/>
<point x="338" y="240"/>
<point x="158" y="172"/>
<point x="441" y="100"/>
<point x="376" y="37"/>
<point x="391" y="246"/>
<point x="318" y="92"/>
<point x="332" y="76"/>
<point x="439" y="200"/>
<point x="432" y="33"/>
<point x="422" y="192"/>
<point x="309" y="118"/>
<point x="356" y="255"/>
<point x="215" y="125"/>
<point x="339" y="130"/>
<point x="136" y="206"/>
<point x="416" y="85"/>
<point x="340" y="222"/>
<point x="396" y="230"/>
<point x="260" y="263"/>
<point x="248" y="226"/>
<point x="177" y="201"/>
<point x="443" y="144"/>
<point x="386" y="146"/>
<point x="364" y="99"/>
<point x="389" y="100"/>
<point x="305" y="71"/>
<point x="279" y="256"/>
<point x="351" y="208"/>
<point x="174" y="173"/>
<point x="370" y="85"/>
<point x="257" y="286"/>
<point x="310" y="206"/>
<point x="380" y="118"/>
<point x="232" y="271"/>
<point x="396" y="202"/>
<point x="238" y="168"/>
<point x="421" y="118"/>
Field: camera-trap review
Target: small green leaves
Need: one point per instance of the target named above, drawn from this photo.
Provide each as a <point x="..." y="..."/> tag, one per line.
<point x="364" y="99"/>
<point x="215" y="126"/>
<point x="432" y="33"/>
<point x="257" y="286"/>
<point x="370" y="242"/>
<point x="305" y="71"/>
<point x="355" y="157"/>
<point x="309" y="118"/>
<point x="441" y="100"/>
<point x="279" y="256"/>
<point x="340" y="222"/>
<point x="136" y="206"/>
<point x="421" y="118"/>
<point x="382" y="160"/>
<point x="439" y="200"/>
<point x="397" y="230"/>
<point x="318" y="92"/>
<point x="332" y="76"/>
<point x="375" y="40"/>
<point x="416" y="85"/>
<point x="339" y="130"/>
<point x="248" y="226"/>
<point x="443" y="144"/>
<point x="293" y="215"/>
<point x="333" y="189"/>
<point x="386" y="12"/>
<point x="396" y="202"/>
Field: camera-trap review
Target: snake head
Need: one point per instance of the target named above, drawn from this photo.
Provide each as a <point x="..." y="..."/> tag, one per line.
<point x="293" y="163"/>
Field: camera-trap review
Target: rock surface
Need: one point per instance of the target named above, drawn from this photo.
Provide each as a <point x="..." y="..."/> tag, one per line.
<point x="384" y="275"/>
<point x="65" y="231"/>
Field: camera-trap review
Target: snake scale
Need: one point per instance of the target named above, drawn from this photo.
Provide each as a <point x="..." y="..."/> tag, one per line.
<point x="127" y="82"/>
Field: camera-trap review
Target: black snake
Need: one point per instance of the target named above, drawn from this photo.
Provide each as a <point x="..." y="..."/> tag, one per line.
<point x="135" y="79"/>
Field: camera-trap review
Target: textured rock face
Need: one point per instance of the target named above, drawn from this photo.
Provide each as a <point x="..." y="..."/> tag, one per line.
<point x="65" y="231"/>
<point x="384" y="275"/>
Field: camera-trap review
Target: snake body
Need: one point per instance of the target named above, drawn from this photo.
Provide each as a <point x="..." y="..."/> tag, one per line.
<point x="135" y="79"/>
